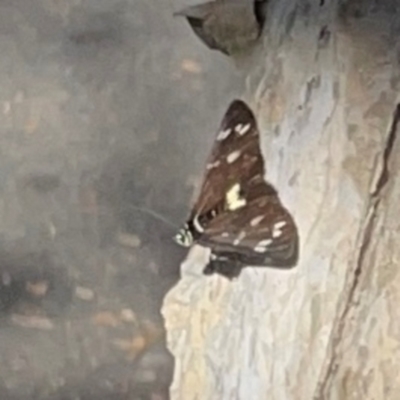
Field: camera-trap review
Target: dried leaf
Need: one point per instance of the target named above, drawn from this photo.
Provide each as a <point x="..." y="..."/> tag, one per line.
<point x="151" y="330"/>
<point x="131" y="346"/>
<point x="38" y="289"/>
<point x="106" y="318"/>
<point x="32" y="321"/>
<point x="84" y="293"/>
<point x="127" y="315"/>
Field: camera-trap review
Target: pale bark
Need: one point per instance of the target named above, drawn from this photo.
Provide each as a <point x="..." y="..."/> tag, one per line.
<point x="329" y="329"/>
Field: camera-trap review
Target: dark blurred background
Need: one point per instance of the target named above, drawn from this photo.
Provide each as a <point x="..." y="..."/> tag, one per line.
<point x="107" y="112"/>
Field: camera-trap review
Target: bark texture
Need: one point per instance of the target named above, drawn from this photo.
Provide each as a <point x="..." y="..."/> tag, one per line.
<point x="327" y="106"/>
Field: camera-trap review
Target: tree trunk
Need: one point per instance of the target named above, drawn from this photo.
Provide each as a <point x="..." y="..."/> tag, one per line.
<point x="327" y="106"/>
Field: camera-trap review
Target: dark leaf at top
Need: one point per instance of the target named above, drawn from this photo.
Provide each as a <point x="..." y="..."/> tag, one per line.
<point x="230" y="26"/>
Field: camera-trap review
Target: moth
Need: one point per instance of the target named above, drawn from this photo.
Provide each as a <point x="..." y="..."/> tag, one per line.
<point x="229" y="26"/>
<point x="237" y="214"/>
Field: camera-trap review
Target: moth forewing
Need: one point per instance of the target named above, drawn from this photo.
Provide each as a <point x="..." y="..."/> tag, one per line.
<point x="235" y="155"/>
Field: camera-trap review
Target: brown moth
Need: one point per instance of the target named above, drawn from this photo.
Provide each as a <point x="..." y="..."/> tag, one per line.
<point x="237" y="213"/>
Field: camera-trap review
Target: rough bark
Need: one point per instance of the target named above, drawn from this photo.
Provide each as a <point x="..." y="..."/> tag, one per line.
<point x="328" y="109"/>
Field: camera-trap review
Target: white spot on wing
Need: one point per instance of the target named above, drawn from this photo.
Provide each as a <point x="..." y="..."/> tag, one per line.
<point x="277" y="230"/>
<point x="232" y="157"/>
<point x="240" y="237"/>
<point x="261" y="247"/>
<point x="242" y="129"/>
<point x="213" y="165"/>
<point x="233" y="199"/>
<point x="264" y="242"/>
<point x="224" y="234"/>
<point x="276" y="233"/>
<point x="255" y="221"/>
<point x="238" y="127"/>
<point x="222" y="135"/>
<point x="197" y="225"/>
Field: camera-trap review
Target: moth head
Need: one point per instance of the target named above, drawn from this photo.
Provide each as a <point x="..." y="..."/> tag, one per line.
<point x="184" y="237"/>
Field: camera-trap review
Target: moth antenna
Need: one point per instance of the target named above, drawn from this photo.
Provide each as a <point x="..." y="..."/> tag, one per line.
<point x="154" y="214"/>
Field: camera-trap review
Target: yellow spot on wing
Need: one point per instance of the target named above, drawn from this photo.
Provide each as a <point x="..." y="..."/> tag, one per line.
<point x="233" y="199"/>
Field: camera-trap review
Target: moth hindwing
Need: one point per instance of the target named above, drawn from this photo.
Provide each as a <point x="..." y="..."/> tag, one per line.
<point x="237" y="213"/>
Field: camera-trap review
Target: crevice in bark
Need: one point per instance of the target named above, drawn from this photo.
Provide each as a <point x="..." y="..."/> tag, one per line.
<point x="384" y="177"/>
<point x="375" y="197"/>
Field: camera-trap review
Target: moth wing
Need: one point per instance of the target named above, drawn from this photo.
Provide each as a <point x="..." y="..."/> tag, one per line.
<point x="235" y="153"/>
<point x="261" y="233"/>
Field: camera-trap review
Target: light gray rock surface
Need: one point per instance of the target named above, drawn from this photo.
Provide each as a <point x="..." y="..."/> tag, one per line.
<point x="326" y="101"/>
